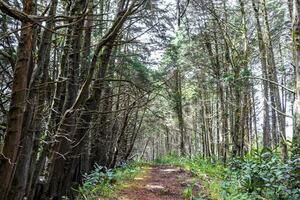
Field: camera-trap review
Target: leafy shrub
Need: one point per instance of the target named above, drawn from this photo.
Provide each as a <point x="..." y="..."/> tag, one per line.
<point x="103" y="182"/>
<point x="262" y="175"/>
<point x="97" y="182"/>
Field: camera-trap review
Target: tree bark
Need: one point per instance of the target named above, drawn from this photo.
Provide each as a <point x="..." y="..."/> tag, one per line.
<point x="263" y="58"/>
<point x="296" y="47"/>
<point x="9" y="155"/>
<point x="32" y="126"/>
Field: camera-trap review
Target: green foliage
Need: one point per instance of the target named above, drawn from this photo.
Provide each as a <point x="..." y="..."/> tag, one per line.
<point x="137" y="71"/>
<point x="261" y="175"/>
<point x="179" y="38"/>
<point x="246" y="72"/>
<point x="228" y="77"/>
<point x="169" y="58"/>
<point x="102" y="182"/>
<point x="187" y="193"/>
<point x="189" y="92"/>
<point x="209" y="172"/>
<point x="173" y="54"/>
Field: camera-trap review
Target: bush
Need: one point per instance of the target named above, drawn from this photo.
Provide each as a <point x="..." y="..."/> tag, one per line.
<point x="262" y="175"/>
<point x="103" y="182"/>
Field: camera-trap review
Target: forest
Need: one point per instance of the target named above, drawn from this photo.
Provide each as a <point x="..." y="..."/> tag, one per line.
<point x="101" y="98"/>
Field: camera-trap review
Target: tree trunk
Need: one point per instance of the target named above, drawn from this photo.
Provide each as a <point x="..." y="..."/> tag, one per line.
<point x="33" y="128"/>
<point x="275" y="95"/>
<point x="296" y="45"/>
<point x="9" y="154"/>
<point x="263" y="58"/>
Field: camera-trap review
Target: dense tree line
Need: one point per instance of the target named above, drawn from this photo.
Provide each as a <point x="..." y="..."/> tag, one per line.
<point x="73" y="89"/>
<point x="231" y="72"/>
<point x="80" y="85"/>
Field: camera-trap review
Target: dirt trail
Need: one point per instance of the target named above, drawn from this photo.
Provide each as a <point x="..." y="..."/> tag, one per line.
<point x="159" y="182"/>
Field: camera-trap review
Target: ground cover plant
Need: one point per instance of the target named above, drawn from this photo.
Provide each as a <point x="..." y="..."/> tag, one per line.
<point x="105" y="183"/>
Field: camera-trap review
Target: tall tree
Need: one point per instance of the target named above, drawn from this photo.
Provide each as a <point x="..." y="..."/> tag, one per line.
<point x="296" y="48"/>
<point x="9" y="154"/>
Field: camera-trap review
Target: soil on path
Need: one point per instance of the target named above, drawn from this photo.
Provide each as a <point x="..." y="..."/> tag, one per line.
<point x="159" y="182"/>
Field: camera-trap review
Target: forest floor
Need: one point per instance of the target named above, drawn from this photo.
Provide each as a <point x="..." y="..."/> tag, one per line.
<point x="164" y="182"/>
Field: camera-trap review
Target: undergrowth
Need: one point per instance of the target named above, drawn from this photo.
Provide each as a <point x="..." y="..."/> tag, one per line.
<point x="105" y="183"/>
<point x="260" y="175"/>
